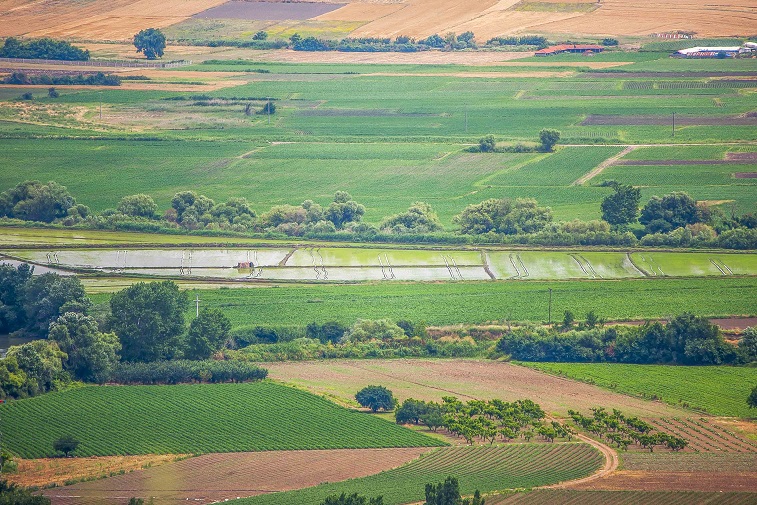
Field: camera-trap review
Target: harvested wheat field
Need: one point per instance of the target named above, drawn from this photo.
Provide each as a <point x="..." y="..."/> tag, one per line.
<point x="426" y="379"/>
<point x="95" y="20"/>
<point x="215" y="477"/>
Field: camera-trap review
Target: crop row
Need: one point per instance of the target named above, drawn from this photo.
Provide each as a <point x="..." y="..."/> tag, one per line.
<point x="485" y="468"/>
<point x="193" y="419"/>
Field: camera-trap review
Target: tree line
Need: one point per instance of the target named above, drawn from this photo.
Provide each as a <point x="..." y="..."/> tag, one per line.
<point x="74" y="341"/>
<point x="44" y="48"/>
<point x="673" y="220"/>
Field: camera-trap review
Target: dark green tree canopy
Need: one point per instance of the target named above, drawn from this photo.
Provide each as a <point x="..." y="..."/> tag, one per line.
<point x="34" y="201"/>
<point x="419" y="218"/>
<point x="149" y="320"/>
<point x="151" y="42"/>
<point x="448" y="493"/>
<point x="47" y="297"/>
<point x="91" y="353"/>
<point x="504" y="216"/>
<point x="621" y="207"/>
<point x="208" y="333"/>
<point x="674" y="210"/>
<point x="344" y="210"/>
<point x="66" y="444"/>
<point x="375" y="398"/>
<point x="487" y="144"/>
<point x="548" y="139"/>
<point x="12" y="282"/>
<point x="752" y="399"/>
<point x="353" y="499"/>
<point x="139" y="205"/>
<point x="11" y="494"/>
<point x="331" y="331"/>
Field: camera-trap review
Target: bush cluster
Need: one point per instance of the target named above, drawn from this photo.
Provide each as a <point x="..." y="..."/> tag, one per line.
<point x="45" y="49"/>
<point x="186" y="371"/>
<point x="97" y="79"/>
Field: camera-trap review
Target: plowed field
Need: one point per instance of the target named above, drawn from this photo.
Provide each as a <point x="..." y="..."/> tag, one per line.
<point x="216" y="477"/>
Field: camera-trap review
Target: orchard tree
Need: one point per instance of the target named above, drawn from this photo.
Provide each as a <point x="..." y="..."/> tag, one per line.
<point x="207" y="334"/>
<point x="91" y="353"/>
<point x="151" y="42"/>
<point x="149" y="320"/>
<point x="375" y="398"/>
<point x="621" y="207"/>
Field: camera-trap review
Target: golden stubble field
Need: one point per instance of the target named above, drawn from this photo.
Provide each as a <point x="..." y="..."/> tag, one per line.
<point x="120" y="19"/>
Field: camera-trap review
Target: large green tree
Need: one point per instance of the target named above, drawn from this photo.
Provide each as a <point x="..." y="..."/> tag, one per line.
<point x="149" y="320"/>
<point x="11" y="494"/>
<point x="752" y="398"/>
<point x="42" y="362"/>
<point x="621" y="207"/>
<point x="344" y="210"/>
<point x="48" y="296"/>
<point x="504" y="216"/>
<point x="674" y="210"/>
<point x="375" y="398"/>
<point x="419" y="218"/>
<point x="208" y="333"/>
<point x="151" y="42"/>
<point x="34" y="201"/>
<point x="91" y="353"/>
<point x="139" y="205"/>
<point x="448" y="493"/>
<point x="748" y="344"/>
<point x="548" y="139"/>
<point x="12" y="282"/>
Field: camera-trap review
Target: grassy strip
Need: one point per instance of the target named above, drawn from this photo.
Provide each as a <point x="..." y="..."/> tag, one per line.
<point x="719" y="390"/>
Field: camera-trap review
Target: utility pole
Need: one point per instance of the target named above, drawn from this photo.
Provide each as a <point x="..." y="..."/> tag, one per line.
<point x="197" y="305"/>
<point x="550" y="306"/>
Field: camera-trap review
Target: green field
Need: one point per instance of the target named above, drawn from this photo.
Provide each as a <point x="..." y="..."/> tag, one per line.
<point x="387" y="139"/>
<point x="197" y="418"/>
<point x="480" y="302"/>
<point x="572" y="497"/>
<point x="718" y="390"/>
<point x="484" y="468"/>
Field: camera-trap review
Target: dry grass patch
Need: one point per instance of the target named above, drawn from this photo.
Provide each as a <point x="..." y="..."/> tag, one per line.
<point x="47" y="471"/>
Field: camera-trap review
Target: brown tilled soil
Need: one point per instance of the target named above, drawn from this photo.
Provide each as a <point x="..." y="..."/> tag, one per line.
<point x="267" y="11"/>
<point x="742" y="157"/>
<point x="577" y="497"/>
<point x="704" y="435"/>
<point x="644" y="120"/>
<point x="745" y="175"/>
<point x="216" y="477"/>
<point x="427" y="379"/>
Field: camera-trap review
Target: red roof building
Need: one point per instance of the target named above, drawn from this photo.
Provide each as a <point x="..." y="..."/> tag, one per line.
<point x="569" y="48"/>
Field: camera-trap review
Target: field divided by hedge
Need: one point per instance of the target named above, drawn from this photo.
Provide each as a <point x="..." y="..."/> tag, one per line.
<point x="484" y="468"/>
<point x="200" y="418"/>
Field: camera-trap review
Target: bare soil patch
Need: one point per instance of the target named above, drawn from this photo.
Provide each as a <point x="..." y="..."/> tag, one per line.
<point x="574" y="497"/>
<point x="268" y="11"/>
<point x="216" y="477"/>
<point x="745" y="175"/>
<point x="650" y="120"/>
<point x="742" y="157"/>
<point x="431" y="379"/>
<point x="47" y="471"/>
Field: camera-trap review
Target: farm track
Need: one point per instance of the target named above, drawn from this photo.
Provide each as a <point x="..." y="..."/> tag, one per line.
<point x="598" y="170"/>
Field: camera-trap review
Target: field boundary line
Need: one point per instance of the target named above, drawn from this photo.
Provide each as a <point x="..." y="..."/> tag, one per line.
<point x="600" y="168"/>
<point x="611" y="464"/>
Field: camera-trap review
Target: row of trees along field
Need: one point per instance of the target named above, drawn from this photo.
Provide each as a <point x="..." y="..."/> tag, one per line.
<point x="492" y="420"/>
<point x="73" y="342"/>
<point x="673" y="220"/>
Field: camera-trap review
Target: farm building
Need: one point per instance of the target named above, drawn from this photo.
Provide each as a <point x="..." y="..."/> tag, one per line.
<point x="711" y="52"/>
<point x="570" y="48"/>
